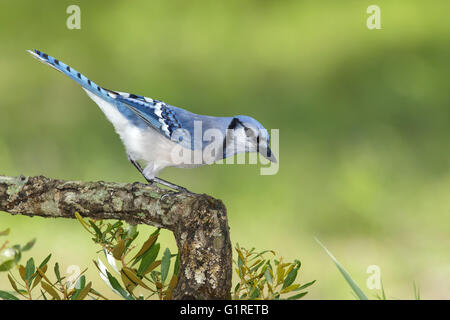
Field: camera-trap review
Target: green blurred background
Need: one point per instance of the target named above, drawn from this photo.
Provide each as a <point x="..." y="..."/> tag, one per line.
<point x="363" y="116"/>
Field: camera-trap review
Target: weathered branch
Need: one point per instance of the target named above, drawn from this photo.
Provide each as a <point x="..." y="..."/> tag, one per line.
<point x="199" y="222"/>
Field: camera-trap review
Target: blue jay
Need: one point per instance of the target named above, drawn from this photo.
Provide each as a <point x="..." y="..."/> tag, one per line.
<point x="151" y="130"/>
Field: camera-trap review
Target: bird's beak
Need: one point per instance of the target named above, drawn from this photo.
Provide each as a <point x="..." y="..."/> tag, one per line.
<point x="267" y="153"/>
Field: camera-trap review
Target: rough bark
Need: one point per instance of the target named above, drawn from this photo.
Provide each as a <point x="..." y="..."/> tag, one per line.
<point x="199" y="222"/>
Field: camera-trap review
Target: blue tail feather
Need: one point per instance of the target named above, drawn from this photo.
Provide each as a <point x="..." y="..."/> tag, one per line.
<point x="139" y="110"/>
<point x="72" y="73"/>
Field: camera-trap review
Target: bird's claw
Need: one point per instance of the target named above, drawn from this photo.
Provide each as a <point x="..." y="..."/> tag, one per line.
<point x="178" y="191"/>
<point x="163" y="196"/>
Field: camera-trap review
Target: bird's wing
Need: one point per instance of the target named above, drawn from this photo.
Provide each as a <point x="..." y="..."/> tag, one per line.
<point x="155" y="113"/>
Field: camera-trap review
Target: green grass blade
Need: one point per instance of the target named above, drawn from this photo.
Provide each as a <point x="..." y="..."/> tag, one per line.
<point x="359" y="293"/>
<point x="416" y="291"/>
<point x="383" y="294"/>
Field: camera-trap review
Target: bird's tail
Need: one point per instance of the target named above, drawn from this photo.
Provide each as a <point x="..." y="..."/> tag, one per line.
<point x="72" y="73"/>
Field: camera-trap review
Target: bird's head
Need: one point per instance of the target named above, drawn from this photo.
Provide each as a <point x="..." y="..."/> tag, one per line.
<point x="251" y="136"/>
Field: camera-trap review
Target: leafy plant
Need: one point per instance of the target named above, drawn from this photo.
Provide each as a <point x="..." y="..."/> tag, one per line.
<point x="31" y="276"/>
<point x="131" y="269"/>
<point x="262" y="278"/>
<point x="143" y="270"/>
<point x="11" y="255"/>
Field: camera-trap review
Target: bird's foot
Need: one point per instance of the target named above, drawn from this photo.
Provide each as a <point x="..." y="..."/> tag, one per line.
<point x="184" y="190"/>
<point x="177" y="188"/>
<point x="179" y="191"/>
<point x="155" y="180"/>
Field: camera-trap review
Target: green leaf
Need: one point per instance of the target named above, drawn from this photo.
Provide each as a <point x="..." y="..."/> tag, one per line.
<point x="261" y="254"/>
<point x="29" y="269"/>
<point x="57" y="273"/>
<point x="148" y="258"/>
<point x="82" y="293"/>
<point x="29" y="245"/>
<point x="145" y="247"/>
<point x="116" y="285"/>
<point x="242" y="297"/>
<point x="96" y="229"/>
<point x="117" y="225"/>
<point x="80" y="286"/>
<point x="255" y="263"/>
<point x="83" y="223"/>
<point x="81" y="282"/>
<point x="7" y="265"/>
<point x="359" y="293"/>
<point x="18" y="253"/>
<point x="152" y="267"/>
<point x="42" y="273"/>
<point x="165" y="265"/>
<point x="383" y="294"/>
<point x="129" y="285"/>
<point x="290" y="278"/>
<point x="297" y="296"/>
<point x="39" y="276"/>
<point x="292" y="287"/>
<point x="43" y="263"/>
<point x="254" y="294"/>
<point x="4" y="232"/>
<point x="268" y="276"/>
<point x="176" y="267"/>
<point x="240" y="254"/>
<point x="257" y="266"/>
<point x="240" y="264"/>
<point x="306" y="285"/>
<point x="7" y="296"/>
<point x="155" y="232"/>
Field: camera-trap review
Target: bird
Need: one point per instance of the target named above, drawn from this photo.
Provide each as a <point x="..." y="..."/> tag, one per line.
<point x="155" y="133"/>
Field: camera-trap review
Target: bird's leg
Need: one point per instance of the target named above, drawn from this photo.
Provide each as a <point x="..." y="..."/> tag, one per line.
<point x="156" y="179"/>
<point x="139" y="168"/>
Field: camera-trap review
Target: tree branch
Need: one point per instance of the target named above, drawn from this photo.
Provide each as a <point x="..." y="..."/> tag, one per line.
<point x="199" y="222"/>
